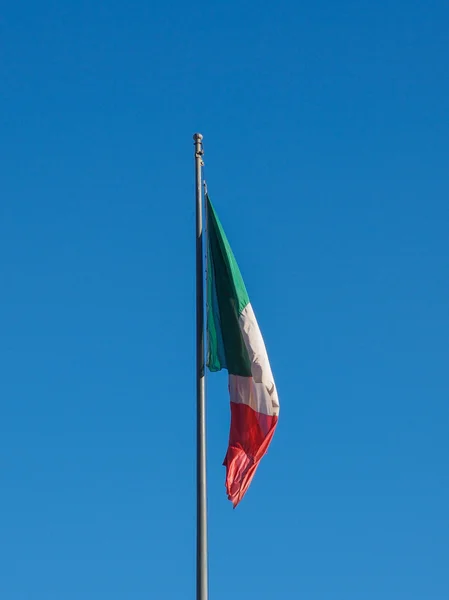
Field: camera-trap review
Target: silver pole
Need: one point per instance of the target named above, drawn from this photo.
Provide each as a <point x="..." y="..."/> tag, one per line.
<point x="201" y="507"/>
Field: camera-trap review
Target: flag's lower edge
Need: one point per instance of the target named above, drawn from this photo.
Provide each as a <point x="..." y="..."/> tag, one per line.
<point x="250" y="435"/>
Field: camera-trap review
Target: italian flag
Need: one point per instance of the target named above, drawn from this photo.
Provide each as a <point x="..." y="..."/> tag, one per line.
<point x="235" y="343"/>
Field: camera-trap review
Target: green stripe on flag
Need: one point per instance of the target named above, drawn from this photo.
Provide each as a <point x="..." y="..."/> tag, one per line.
<point x="226" y="299"/>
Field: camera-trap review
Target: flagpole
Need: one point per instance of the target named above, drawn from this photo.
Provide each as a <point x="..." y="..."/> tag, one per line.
<point x="201" y="491"/>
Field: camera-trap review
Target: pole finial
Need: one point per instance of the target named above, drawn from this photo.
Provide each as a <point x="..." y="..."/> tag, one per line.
<point x="199" y="151"/>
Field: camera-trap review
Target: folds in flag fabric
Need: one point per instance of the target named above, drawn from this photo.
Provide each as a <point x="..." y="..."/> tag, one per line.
<point x="235" y="343"/>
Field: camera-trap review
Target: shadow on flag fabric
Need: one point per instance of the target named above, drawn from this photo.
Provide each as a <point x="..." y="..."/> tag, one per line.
<point x="235" y="343"/>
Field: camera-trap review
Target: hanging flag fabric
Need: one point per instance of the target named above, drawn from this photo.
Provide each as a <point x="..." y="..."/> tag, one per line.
<point x="235" y="343"/>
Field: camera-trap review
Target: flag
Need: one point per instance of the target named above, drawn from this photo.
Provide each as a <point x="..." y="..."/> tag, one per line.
<point x="235" y="343"/>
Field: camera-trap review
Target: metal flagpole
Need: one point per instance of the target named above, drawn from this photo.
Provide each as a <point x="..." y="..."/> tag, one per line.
<point x="201" y="531"/>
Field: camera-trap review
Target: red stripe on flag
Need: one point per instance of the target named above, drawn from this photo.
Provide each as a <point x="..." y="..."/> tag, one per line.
<point x="249" y="438"/>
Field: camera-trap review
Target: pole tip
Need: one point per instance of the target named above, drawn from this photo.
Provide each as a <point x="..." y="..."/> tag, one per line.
<point x="197" y="137"/>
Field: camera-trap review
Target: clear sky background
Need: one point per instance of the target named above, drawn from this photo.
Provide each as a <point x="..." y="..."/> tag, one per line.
<point x="326" y="137"/>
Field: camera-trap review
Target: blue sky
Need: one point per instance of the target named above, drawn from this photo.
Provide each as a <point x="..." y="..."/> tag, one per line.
<point x="325" y="129"/>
